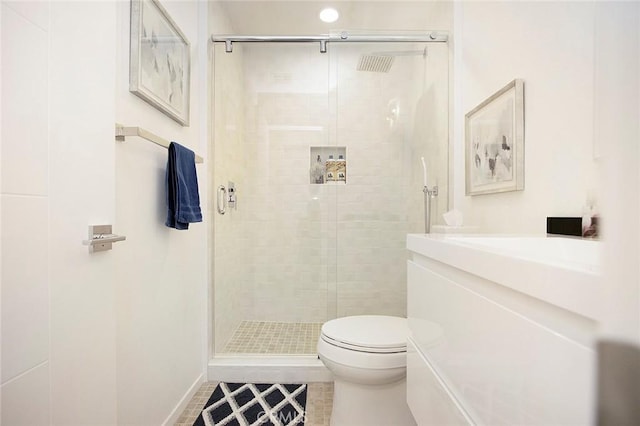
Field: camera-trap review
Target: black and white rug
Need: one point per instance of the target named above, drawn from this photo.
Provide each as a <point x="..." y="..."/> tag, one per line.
<point x="240" y="404"/>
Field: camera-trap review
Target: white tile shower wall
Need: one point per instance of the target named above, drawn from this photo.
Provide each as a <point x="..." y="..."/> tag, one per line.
<point x="289" y="229"/>
<point x="383" y="200"/>
<point x="373" y="199"/>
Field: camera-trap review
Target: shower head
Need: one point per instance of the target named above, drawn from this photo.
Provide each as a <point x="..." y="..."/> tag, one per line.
<point x="382" y="61"/>
<point x="375" y="63"/>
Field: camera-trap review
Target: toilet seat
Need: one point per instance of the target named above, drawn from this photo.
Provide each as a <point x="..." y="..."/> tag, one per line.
<point x="377" y="334"/>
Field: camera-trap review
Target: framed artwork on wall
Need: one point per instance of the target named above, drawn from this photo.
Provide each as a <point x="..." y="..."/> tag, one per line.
<point x="494" y="142"/>
<point x="159" y="64"/>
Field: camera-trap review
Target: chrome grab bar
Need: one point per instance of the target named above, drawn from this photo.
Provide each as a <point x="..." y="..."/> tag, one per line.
<point x="222" y="199"/>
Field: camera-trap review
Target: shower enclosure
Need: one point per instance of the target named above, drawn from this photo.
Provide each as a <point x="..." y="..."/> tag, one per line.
<point x="322" y="151"/>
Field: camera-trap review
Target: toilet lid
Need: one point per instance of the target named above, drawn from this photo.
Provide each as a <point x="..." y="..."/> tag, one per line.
<point x="367" y="333"/>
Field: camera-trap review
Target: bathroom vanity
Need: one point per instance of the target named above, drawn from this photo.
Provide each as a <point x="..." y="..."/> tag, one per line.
<point x="502" y="329"/>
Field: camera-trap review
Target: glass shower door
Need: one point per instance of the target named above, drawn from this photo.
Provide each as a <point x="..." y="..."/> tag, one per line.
<point x="272" y="252"/>
<point x="324" y="153"/>
<point x="391" y="109"/>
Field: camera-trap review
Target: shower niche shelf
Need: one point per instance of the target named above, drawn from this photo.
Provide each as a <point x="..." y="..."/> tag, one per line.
<point x="328" y="165"/>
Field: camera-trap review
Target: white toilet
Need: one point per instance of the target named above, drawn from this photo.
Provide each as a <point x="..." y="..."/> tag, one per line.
<point x="367" y="355"/>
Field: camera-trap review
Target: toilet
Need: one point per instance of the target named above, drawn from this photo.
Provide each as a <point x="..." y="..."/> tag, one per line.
<point x="367" y="355"/>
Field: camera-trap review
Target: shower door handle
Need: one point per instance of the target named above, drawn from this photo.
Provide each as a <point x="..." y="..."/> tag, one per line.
<point x="222" y="199"/>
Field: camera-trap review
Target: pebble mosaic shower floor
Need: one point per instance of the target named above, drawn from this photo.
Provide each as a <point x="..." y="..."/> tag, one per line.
<point x="261" y="337"/>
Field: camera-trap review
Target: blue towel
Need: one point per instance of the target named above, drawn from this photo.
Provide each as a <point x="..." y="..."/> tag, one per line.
<point x="183" y="200"/>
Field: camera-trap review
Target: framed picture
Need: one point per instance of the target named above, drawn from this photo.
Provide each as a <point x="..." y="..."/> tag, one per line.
<point x="494" y="138"/>
<point x="159" y="65"/>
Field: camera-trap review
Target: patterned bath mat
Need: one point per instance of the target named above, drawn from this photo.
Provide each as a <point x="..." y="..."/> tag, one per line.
<point x="236" y="404"/>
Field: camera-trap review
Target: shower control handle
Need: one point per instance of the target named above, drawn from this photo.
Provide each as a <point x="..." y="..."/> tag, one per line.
<point x="222" y="199"/>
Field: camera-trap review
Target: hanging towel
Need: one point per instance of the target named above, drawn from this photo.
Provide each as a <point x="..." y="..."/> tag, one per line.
<point x="183" y="200"/>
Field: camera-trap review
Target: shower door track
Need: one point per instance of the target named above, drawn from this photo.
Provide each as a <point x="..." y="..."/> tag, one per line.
<point x="324" y="39"/>
<point x="267" y="369"/>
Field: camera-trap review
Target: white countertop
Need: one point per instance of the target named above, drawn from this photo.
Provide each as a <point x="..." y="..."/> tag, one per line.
<point x="562" y="271"/>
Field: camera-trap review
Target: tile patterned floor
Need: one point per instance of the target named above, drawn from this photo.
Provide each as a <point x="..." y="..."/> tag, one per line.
<point x="261" y="337"/>
<point x="319" y="403"/>
<point x="195" y="406"/>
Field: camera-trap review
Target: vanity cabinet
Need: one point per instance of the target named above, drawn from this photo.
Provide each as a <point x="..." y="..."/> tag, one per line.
<point x="481" y="352"/>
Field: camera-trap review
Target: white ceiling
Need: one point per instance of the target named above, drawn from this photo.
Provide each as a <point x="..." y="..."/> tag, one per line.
<point x="301" y="17"/>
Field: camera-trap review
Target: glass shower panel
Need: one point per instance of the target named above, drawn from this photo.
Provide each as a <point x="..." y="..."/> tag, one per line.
<point x="391" y="109"/>
<point x="274" y="250"/>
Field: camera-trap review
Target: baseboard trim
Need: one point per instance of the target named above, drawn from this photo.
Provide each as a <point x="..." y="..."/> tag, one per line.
<point x="266" y="369"/>
<point x="184" y="401"/>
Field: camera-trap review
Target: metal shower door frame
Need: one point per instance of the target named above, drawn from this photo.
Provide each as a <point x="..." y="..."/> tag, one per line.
<point x="334" y="37"/>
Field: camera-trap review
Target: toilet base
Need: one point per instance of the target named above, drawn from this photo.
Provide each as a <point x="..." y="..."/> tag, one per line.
<point x="370" y="405"/>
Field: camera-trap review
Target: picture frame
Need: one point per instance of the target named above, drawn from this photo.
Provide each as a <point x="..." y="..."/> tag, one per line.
<point x="494" y="142"/>
<point x="160" y="60"/>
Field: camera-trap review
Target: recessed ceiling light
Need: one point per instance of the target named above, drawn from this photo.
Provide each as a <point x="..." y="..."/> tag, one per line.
<point x="329" y="15"/>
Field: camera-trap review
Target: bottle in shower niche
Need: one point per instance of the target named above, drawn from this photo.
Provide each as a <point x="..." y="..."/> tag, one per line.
<point x="341" y="169"/>
<point x="331" y="175"/>
<point x="318" y="171"/>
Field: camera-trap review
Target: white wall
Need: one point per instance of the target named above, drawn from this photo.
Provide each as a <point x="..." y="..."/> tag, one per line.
<point x="550" y="45"/>
<point x="81" y="184"/>
<point x="161" y="275"/>
<point x="617" y="91"/>
<point x="105" y="338"/>
<point x="580" y="64"/>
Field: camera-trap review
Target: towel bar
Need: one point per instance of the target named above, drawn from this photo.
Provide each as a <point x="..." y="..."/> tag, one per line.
<point x="123" y="131"/>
